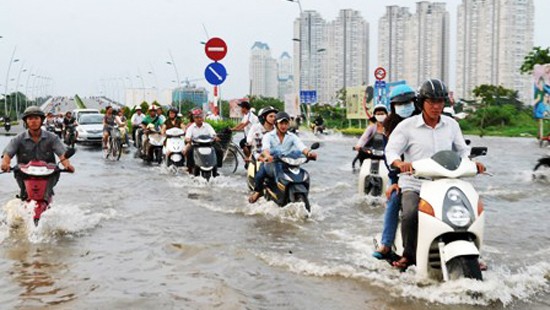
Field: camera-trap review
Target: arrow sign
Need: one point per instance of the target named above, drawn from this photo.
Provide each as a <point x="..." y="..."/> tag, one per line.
<point x="215" y="49"/>
<point x="215" y="73"/>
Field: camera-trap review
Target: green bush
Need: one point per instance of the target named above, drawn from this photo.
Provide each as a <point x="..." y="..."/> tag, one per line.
<point x="351" y="131"/>
<point x="219" y="125"/>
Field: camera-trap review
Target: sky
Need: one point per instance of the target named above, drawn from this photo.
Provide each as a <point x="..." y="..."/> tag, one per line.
<point x="92" y="46"/>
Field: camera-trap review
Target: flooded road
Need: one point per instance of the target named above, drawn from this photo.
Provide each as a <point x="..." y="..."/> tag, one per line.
<point x="127" y="235"/>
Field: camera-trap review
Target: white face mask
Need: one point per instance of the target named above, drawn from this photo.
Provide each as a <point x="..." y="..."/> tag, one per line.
<point x="404" y="110"/>
<point x="380" y="118"/>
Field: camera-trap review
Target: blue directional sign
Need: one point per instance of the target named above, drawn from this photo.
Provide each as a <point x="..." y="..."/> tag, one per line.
<point x="308" y="96"/>
<point x="215" y="73"/>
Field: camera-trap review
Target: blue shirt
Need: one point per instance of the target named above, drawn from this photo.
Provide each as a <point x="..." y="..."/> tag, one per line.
<point x="291" y="144"/>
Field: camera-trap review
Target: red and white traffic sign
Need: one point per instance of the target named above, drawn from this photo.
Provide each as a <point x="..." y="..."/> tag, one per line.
<point x="379" y="73"/>
<point x="215" y="49"/>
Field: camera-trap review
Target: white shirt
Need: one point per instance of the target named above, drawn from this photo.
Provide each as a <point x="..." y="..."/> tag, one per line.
<point x="254" y="138"/>
<point x="251" y="119"/>
<point x="416" y="140"/>
<point x="194" y="131"/>
<point x="137" y="119"/>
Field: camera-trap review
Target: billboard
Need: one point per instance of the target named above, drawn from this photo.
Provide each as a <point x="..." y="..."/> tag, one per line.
<point x="541" y="78"/>
<point x="360" y="100"/>
<point x="291" y="105"/>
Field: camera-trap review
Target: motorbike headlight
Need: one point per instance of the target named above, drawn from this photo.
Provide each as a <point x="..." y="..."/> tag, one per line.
<point x="458" y="215"/>
<point x="457" y="210"/>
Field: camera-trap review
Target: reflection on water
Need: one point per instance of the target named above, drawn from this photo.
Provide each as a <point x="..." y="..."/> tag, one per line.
<point x="36" y="269"/>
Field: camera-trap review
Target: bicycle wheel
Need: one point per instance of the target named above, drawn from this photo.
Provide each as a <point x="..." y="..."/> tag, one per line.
<point x="109" y="150"/>
<point x="117" y="149"/>
<point x="230" y="162"/>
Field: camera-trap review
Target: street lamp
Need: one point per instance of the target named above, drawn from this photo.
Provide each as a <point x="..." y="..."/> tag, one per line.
<point x="7" y="81"/>
<point x="173" y="63"/>
<point x="21" y="70"/>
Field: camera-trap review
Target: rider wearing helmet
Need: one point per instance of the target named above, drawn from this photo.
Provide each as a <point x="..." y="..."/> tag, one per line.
<point x="34" y="144"/>
<point x="151" y="122"/>
<point x="277" y="143"/>
<point x="69" y="121"/>
<point x="136" y="120"/>
<point x="248" y="120"/>
<point x="373" y="137"/>
<point x="257" y="132"/>
<point x="402" y="105"/>
<point x="418" y="137"/>
<point x="198" y="128"/>
<point x="172" y="121"/>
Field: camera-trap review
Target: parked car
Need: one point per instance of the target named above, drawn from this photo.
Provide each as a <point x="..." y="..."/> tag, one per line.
<point x="78" y="112"/>
<point x="90" y="128"/>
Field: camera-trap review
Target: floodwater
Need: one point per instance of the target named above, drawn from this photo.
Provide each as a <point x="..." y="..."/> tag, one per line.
<point x="124" y="235"/>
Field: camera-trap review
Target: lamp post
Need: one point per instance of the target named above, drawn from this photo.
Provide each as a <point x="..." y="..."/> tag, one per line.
<point x="142" y="84"/>
<point x="7" y="80"/>
<point x="21" y="70"/>
<point x="27" y="88"/>
<point x="173" y="63"/>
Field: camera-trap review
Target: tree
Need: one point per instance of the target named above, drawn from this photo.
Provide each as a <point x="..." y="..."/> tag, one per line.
<point x="492" y="95"/>
<point x="536" y="56"/>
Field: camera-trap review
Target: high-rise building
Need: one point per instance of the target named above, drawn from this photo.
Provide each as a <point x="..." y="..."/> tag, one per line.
<point x="351" y="51"/>
<point x="262" y="71"/>
<point x="415" y="47"/>
<point x="309" y="37"/>
<point x="392" y="31"/>
<point x="285" y="76"/>
<point x="493" y="37"/>
<point x="330" y="56"/>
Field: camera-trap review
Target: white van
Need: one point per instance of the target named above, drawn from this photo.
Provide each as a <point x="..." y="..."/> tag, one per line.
<point x="78" y="112"/>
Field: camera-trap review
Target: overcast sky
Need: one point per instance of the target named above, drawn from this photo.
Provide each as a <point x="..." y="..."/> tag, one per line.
<point x="79" y="43"/>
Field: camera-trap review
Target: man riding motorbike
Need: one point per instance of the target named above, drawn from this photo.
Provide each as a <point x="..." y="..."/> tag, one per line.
<point x="136" y="120"/>
<point x="275" y="143"/>
<point x="195" y="130"/>
<point x="419" y="137"/>
<point x="152" y="119"/>
<point x="35" y="144"/>
<point x="68" y="121"/>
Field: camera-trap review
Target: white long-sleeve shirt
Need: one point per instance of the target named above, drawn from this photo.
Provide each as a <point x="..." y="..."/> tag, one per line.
<point x="416" y="140"/>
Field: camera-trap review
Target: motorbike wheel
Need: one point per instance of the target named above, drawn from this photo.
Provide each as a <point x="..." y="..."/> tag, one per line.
<point x="303" y="198"/>
<point x="158" y="155"/>
<point x="464" y="267"/>
<point x="230" y="162"/>
<point x="207" y="175"/>
<point x="196" y="171"/>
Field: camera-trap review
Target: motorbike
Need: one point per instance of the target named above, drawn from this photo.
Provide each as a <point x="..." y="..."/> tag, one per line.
<point x="37" y="174"/>
<point x="543" y="164"/>
<point x="156" y="142"/>
<point x="287" y="182"/>
<point x="450" y="218"/>
<point x="204" y="156"/>
<point x="70" y="135"/>
<point x="7" y="124"/>
<point x="175" y="144"/>
<point x="373" y="176"/>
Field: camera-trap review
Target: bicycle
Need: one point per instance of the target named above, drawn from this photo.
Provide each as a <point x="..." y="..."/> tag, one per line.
<point x="114" y="144"/>
<point x="231" y="152"/>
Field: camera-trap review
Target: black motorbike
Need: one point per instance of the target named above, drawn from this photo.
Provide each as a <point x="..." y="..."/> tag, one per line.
<point x="70" y="135"/>
<point x="7" y="124"/>
<point x="204" y="156"/>
<point x="287" y="182"/>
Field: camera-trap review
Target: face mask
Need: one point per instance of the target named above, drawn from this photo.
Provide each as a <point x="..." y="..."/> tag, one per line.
<point x="380" y="118"/>
<point x="404" y="110"/>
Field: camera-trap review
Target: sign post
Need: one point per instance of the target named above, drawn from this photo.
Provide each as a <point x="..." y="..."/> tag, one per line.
<point x="379" y="86"/>
<point x="215" y="73"/>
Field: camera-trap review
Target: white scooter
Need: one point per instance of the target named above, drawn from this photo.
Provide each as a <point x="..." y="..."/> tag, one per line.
<point x="373" y="176"/>
<point x="450" y="218"/>
<point x="175" y="144"/>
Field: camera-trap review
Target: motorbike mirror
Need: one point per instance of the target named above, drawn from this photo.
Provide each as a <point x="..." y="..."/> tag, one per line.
<point x="315" y="146"/>
<point x="468" y="141"/>
<point x="478" y="151"/>
<point x="70" y="152"/>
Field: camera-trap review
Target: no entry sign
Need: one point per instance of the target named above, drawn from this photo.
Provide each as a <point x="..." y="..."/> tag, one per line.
<point x="215" y="49"/>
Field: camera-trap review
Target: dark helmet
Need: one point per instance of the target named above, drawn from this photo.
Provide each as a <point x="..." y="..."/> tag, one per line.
<point x="282" y="116"/>
<point x="432" y="89"/>
<point x="401" y="94"/>
<point x="244" y="104"/>
<point x="175" y="110"/>
<point x="264" y="112"/>
<point x="33" y="110"/>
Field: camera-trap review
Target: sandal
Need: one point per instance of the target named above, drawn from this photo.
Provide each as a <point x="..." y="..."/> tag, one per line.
<point x="254" y="197"/>
<point x="402" y="263"/>
<point x="386" y="254"/>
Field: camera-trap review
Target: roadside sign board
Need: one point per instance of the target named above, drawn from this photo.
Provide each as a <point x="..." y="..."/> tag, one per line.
<point x="308" y="96"/>
<point x="215" y="49"/>
<point x="215" y="73"/>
